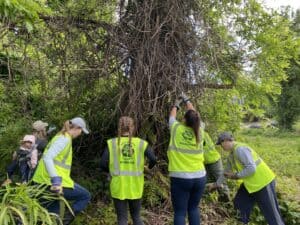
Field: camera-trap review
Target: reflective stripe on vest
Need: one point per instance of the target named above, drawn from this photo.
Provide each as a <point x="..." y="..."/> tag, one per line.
<point x="182" y="150"/>
<point x="188" y="175"/>
<point x="262" y="176"/>
<point x="116" y="164"/>
<point x="63" y="162"/>
<point x="257" y="162"/>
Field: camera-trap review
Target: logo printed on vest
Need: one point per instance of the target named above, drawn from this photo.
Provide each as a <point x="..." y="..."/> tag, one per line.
<point x="127" y="150"/>
<point x="127" y="153"/>
<point x="188" y="135"/>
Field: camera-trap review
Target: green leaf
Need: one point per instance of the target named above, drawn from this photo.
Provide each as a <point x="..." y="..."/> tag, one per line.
<point x="29" y="26"/>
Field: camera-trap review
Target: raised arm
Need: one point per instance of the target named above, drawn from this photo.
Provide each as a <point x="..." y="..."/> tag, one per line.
<point x="183" y="98"/>
<point x="175" y="107"/>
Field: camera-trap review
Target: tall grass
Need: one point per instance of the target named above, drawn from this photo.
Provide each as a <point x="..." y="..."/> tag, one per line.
<point x="21" y="205"/>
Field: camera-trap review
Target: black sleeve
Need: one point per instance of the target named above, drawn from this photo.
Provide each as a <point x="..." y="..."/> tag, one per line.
<point x="104" y="162"/>
<point x="151" y="157"/>
<point x="41" y="145"/>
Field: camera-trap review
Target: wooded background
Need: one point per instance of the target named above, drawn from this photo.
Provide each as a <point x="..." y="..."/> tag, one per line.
<point x="102" y="59"/>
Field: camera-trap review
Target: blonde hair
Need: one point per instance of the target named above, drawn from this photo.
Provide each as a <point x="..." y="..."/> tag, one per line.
<point x="40" y="134"/>
<point x="67" y="126"/>
<point x="126" y="125"/>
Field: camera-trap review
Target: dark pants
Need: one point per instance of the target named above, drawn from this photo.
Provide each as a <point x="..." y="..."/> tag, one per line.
<point x="122" y="211"/>
<point x="215" y="173"/>
<point x="186" y="195"/>
<point x="24" y="170"/>
<point x="266" y="200"/>
<point x="78" y="196"/>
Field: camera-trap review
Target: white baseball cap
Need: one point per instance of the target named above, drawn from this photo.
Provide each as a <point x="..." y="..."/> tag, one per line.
<point x="78" y="121"/>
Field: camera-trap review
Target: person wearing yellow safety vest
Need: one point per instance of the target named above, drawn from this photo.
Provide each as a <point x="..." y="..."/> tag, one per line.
<point x="214" y="168"/>
<point x="186" y="163"/>
<point x="54" y="169"/>
<point x="124" y="160"/>
<point x="258" y="181"/>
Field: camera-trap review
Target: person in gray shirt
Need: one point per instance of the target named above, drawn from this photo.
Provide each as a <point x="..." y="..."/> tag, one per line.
<point x="258" y="181"/>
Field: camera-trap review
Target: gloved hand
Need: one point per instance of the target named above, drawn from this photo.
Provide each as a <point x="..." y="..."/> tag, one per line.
<point x="213" y="186"/>
<point x="231" y="175"/>
<point x="184" y="97"/>
<point x="56" y="185"/>
<point x="177" y="103"/>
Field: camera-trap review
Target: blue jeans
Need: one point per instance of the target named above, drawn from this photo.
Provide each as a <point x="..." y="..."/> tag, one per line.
<point x="78" y="196"/>
<point x="266" y="200"/>
<point x="186" y="195"/>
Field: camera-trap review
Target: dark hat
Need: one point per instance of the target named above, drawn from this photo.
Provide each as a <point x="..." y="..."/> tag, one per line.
<point x="223" y="137"/>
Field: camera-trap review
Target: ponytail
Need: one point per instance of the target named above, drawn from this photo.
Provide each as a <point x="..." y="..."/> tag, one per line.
<point x="126" y="125"/>
<point x="192" y="119"/>
<point x="67" y="126"/>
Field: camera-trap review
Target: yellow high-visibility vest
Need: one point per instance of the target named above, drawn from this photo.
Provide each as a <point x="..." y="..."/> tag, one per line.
<point x="211" y="155"/>
<point x="62" y="164"/>
<point x="126" y="166"/>
<point x="184" y="154"/>
<point x="262" y="176"/>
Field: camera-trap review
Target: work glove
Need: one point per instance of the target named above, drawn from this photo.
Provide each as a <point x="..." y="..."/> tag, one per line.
<point x="56" y="185"/>
<point x="231" y="175"/>
<point x="213" y="186"/>
<point x="177" y="103"/>
<point x="184" y="97"/>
